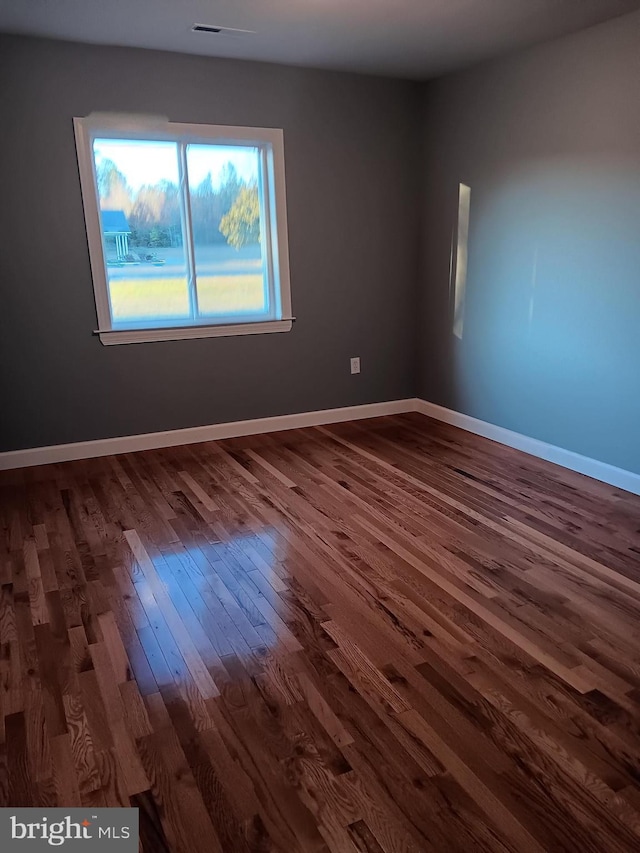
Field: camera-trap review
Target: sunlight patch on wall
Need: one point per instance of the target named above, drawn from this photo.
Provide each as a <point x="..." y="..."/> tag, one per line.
<point x="461" y="252"/>
<point x="534" y="282"/>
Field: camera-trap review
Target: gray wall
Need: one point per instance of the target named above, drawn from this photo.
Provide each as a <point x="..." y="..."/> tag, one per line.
<point x="351" y="148"/>
<point x="549" y="142"/>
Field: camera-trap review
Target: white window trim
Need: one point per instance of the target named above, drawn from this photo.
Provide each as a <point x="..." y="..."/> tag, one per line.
<point x="150" y="127"/>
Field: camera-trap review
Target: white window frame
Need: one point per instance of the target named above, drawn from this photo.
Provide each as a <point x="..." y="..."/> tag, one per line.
<point x="275" y="244"/>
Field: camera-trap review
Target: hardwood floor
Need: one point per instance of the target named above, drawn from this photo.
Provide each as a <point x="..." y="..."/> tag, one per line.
<point x="387" y="635"/>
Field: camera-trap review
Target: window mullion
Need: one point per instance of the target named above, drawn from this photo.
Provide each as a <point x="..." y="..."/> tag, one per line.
<point x="185" y="205"/>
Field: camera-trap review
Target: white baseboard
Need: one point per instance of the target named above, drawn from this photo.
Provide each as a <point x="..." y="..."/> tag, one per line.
<point x="618" y="477"/>
<point x="170" y="438"/>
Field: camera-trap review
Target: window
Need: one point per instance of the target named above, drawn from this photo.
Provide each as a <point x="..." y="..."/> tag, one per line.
<point x="186" y="227"/>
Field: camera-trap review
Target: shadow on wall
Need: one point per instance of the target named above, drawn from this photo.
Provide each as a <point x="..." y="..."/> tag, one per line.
<point x="543" y="327"/>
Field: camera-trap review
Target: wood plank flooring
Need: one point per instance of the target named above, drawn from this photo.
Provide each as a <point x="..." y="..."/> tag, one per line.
<point x="387" y="635"/>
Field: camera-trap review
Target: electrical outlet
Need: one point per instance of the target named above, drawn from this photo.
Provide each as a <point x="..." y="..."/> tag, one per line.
<point x="355" y="364"/>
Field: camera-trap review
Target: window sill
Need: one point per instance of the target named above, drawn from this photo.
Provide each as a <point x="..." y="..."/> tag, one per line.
<point x="181" y="333"/>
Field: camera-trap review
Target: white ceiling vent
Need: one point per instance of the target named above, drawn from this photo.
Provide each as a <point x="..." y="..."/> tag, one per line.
<point x="213" y="29"/>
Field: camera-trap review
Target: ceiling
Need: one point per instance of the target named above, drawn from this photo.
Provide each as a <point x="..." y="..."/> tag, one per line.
<point x="403" y="38"/>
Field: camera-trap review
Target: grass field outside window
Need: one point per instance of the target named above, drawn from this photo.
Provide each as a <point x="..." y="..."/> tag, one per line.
<point x="135" y="298"/>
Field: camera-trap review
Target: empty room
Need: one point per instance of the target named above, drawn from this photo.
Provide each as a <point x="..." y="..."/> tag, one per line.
<point x="320" y="426"/>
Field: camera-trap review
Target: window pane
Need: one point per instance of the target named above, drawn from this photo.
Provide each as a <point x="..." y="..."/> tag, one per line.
<point x="225" y="187"/>
<point x="142" y="229"/>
